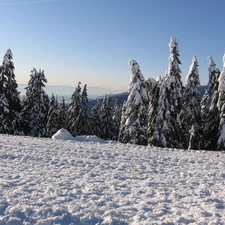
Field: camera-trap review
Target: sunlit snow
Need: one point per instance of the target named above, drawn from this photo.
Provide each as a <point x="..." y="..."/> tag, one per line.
<point x="86" y="180"/>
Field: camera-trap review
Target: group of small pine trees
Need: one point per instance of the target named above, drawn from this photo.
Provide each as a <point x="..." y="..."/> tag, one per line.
<point x="161" y="113"/>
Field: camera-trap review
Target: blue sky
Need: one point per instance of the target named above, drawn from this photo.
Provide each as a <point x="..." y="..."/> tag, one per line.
<point x="92" y="40"/>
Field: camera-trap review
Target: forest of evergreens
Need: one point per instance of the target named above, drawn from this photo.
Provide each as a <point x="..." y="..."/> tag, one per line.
<point x="162" y="112"/>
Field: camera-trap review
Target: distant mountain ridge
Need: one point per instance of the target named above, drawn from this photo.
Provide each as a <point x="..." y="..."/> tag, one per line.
<point x="93" y="93"/>
<point x="123" y="97"/>
<point x="67" y="91"/>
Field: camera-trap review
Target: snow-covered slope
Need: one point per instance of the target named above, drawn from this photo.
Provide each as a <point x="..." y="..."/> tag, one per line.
<point x="89" y="181"/>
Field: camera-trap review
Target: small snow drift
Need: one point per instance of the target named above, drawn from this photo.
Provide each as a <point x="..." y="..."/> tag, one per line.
<point x="62" y="134"/>
<point x="90" y="138"/>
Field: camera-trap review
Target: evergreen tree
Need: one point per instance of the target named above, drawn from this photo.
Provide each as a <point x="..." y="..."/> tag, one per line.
<point x="95" y="119"/>
<point x="62" y="117"/>
<point x="158" y="130"/>
<point x="191" y="107"/>
<point x="74" y="111"/>
<point x="221" y="109"/>
<point x="116" y="120"/>
<point x="209" y="110"/>
<point x="106" y="125"/>
<point x="83" y="118"/>
<point x="5" y="126"/>
<point x="35" y="105"/>
<point x="168" y="130"/>
<point x="10" y="104"/>
<point x="52" y="117"/>
<point x="123" y="119"/>
<point x="134" y="127"/>
<point x="153" y="95"/>
<point x="174" y="91"/>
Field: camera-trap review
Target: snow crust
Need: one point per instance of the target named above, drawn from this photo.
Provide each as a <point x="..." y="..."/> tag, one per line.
<point x="90" y="181"/>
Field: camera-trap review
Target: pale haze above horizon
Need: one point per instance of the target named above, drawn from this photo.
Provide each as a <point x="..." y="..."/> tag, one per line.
<point x="91" y="41"/>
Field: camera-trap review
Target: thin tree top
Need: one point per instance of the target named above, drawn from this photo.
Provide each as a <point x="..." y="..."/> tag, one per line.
<point x="173" y="44"/>
<point x="9" y="54"/>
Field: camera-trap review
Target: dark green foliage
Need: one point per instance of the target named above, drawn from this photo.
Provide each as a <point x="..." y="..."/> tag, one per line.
<point x="209" y="110"/>
<point x="167" y="128"/>
<point x="52" y="117"/>
<point x="153" y="95"/>
<point x="95" y="119"/>
<point x="74" y="111"/>
<point x="116" y="120"/>
<point x="106" y="120"/>
<point x="62" y="116"/>
<point x="191" y="108"/>
<point x="10" y="104"/>
<point x="35" y="105"/>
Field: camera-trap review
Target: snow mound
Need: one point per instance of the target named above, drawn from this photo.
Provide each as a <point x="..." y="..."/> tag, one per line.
<point x="90" y="138"/>
<point x="62" y="134"/>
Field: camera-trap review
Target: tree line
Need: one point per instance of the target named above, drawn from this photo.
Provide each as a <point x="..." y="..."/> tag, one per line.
<point x="161" y="112"/>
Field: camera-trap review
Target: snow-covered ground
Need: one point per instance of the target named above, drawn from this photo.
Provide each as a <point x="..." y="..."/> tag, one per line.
<point x="86" y="180"/>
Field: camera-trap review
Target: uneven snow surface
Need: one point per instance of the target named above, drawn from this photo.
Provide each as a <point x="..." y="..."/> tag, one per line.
<point x="90" y="181"/>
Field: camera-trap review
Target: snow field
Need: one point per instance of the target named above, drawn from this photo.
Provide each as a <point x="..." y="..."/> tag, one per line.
<point x="90" y="181"/>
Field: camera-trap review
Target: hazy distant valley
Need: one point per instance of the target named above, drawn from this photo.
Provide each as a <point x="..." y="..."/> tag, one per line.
<point x="67" y="91"/>
<point x="93" y="93"/>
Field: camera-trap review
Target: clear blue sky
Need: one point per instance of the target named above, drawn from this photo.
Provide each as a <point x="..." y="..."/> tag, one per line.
<point x="92" y="40"/>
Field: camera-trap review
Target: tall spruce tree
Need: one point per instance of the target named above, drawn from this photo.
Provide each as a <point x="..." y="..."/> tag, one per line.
<point x="221" y="108"/>
<point x="209" y="110"/>
<point x="153" y="95"/>
<point x="5" y="126"/>
<point x="116" y="119"/>
<point x="5" y="123"/>
<point x="52" y="117"/>
<point x="134" y="122"/>
<point x="191" y="108"/>
<point x="168" y="128"/>
<point x="158" y="129"/>
<point x="10" y="104"/>
<point x="62" y="117"/>
<point x="74" y="111"/>
<point x="83" y="118"/>
<point x="95" y="119"/>
<point x="35" y="105"/>
<point x="122" y="122"/>
<point x="106" y="120"/>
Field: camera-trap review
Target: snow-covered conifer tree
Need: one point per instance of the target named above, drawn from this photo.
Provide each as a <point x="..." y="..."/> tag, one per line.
<point x="168" y="128"/>
<point x="106" y="115"/>
<point x="5" y="126"/>
<point x="62" y="117"/>
<point x="153" y="95"/>
<point x="134" y="122"/>
<point x="74" y="111"/>
<point x="122" y="122"/>
<point x="191" y="107"/>
<point x="221" y="108"/>
<point x="35" y="105"/>
<point x="174" y="89"/>
<point x="159" y="131"/>
<point x="116" y="119"/>
<point x="95" y="119"/>
<point x="52" y="117"/>
<point x="83" y="126"/>
<point x="10" y="100"/>
<point x="209" y="110"/>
